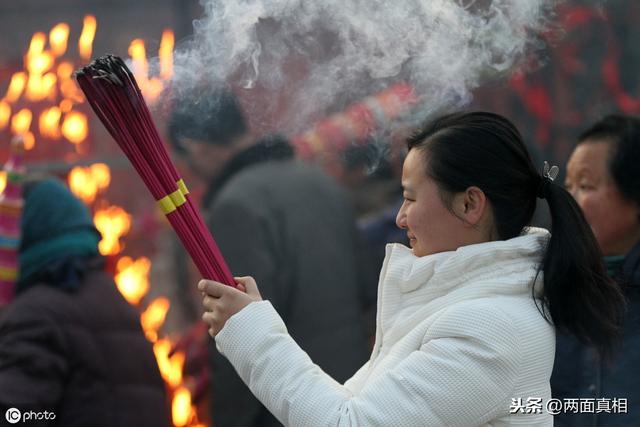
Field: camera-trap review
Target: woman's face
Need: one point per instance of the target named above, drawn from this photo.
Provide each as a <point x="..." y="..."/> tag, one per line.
<point x="613" y="219"/>
<point x="431" y="227"/>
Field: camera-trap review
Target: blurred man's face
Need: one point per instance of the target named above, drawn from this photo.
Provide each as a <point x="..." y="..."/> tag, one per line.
<point x="613" y="219"/>
<point x="206" y="160"/>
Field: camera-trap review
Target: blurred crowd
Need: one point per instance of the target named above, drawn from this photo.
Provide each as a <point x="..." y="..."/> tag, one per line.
<point x="314" y="238"/>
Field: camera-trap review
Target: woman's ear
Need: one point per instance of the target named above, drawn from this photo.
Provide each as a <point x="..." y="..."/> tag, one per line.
<point x="471" y="205"/>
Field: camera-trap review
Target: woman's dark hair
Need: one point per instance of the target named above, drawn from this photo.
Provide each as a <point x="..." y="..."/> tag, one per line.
<point x="623" y="133"/>
<point x="486" y="150"/>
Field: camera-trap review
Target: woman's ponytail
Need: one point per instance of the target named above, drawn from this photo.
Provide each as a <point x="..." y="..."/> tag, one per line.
<point x="580" y="298"/>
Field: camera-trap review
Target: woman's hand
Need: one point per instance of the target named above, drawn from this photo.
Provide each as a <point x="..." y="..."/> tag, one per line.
<point x="221" y="301"/>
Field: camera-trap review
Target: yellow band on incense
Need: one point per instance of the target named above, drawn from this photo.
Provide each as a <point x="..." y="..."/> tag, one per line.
<point x="173" y="201"/>
<point x="183" y="187"/>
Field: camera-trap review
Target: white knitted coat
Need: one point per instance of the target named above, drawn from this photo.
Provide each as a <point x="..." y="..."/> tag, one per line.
<point x="458" y="338"/>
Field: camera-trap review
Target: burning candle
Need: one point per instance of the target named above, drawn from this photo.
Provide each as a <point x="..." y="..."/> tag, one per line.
<point x="75" y="127"/>
<point x="21" y="121"/>
<point x="16" y="86"/>
<point x="166" y="54"/>
<point x="58" y="37"/>
<point x="49" y="122"/>
<point x="85" y="43"/>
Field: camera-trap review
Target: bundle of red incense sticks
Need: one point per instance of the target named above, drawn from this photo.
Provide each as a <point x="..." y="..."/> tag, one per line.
<point x="114" y="95"/>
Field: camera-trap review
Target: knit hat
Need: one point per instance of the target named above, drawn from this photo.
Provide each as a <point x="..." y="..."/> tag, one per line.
<point x="55" y="225"/>
<point x="10" y="210"/>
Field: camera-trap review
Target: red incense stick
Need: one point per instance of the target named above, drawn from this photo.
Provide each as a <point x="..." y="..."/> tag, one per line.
<point x="114" y="95"/>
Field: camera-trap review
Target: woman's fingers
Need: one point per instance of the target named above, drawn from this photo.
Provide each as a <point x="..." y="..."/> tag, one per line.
<point x="212" y="288"/>
<point x="221" y="302"/>
<point x="248" y="285"/>
<point x="208" y="302"/>
<point x="212" y="319"/>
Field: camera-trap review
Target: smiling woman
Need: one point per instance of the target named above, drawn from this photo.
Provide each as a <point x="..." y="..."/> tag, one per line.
<point x="468" y="311"/>
<point x="432" y="226"/>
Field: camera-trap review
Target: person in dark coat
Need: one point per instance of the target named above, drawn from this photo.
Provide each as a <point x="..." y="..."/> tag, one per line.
<point x="288" y="224"/>
<point x="70" y="344"/>
<point x="604" y="177"/>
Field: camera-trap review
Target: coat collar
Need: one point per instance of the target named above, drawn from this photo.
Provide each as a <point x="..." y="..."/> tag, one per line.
<point x="450" y="269"/>
<point x="412" y="288"/>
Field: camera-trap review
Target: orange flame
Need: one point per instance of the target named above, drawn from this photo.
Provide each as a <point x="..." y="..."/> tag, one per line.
<point x="181" y="409"/>
<point x="87" y="182"/>
<point x="29" y="140"/>
<point x="132" y="278"/>
<point x="37" y="43"/>
<point x="5" y="114"/>
<point x="166" y="54"/>
<point x="113" y="223"/>
<point x="70" y="91"/>
<point x="21" y="121"/>
<point x="153" y="317"/>
<point x="39" y="63"/>
<point x="16" y="86"/>
<point x="65" y="70"/>
<point x="170" y="367"/>
<point x="68" y="86"/>
<point x="34" y="90"/>
<point x="153" y="89"/>
<point x="75" y="127"/>
<point x="49" y="122"/>
<point x="82" y="185"/>
<point x="3" y="180"/>
<point x="49" y="86"/>
<point x="150" y="88"/>
<point x="86" y="37"/>
<point x="138" y="54"/>
<point x="101" y="175"/>
<point x="39" y="87"/>
<point x="66" y="105"/>
<point x="58" y="38"/>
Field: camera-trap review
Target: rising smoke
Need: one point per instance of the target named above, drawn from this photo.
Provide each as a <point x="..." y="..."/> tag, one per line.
<point x="310" y="58"/>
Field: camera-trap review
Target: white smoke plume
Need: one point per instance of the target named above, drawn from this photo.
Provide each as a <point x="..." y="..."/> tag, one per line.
<point x="308" y="58"/>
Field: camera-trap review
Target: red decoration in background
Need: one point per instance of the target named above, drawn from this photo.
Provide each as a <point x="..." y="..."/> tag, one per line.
<point x="611" y="75"/>
<point x="537" y="101"/>
<point x="357" y="122"/>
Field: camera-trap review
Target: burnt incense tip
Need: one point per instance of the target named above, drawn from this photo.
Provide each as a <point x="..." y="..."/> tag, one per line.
<point x="109" y="67"/>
